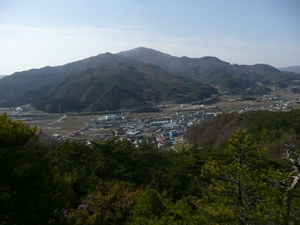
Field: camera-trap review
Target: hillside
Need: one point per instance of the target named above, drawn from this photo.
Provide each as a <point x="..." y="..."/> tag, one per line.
<point x="294" y="69"/>
<point x="280" y="126"/>
<point x="35" y="78"/>
<point x="161" y="71"/>
<point x="215" y="72"/>
<point x="111" y="88"/>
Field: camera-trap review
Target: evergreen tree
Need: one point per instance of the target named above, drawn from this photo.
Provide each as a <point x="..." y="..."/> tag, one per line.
<point x="110" y="203"/>
<point x="32" y="189"/>
<point x="245" y="190"/>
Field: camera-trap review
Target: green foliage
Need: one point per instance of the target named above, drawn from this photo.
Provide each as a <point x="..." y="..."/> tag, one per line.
<point x="183" y="166"/>
<point x="243" y="187"/>
<point x="240" y="182"/>
<point x="110" y="203"/>
<point x="269" y="125"/>
<point x="271" y="128"/>
<point x="153" y="207"/>
<point x="151" y="204"/>
<point x="15" y="133"/>
<point x="32" y="191"/>
<point x="124" y="161"/>
<point x="80" y="162"/>
<point x="268" y="128"/>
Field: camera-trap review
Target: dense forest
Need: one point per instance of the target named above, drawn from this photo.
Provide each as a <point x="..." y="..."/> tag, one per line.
<point x="235" y="169"/>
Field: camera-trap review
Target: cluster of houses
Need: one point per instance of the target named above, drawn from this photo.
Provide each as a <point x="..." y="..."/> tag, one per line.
<point x="165" y="131"/>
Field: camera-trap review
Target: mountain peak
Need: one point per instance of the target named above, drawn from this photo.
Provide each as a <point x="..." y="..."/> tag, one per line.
<point x="142" y="50"/>
<point x="148" y="55"/>
<point x="210" y="58"/>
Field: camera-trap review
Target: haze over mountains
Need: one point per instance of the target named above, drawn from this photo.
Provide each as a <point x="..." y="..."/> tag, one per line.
<point x="135" y="78"/>
<point x="295" y="69"/>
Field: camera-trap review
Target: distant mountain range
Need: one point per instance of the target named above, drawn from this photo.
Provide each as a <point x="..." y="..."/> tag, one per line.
<point x="294" y="69"/>
<point x="135" y="78"/>
<point x="213" y="71"/>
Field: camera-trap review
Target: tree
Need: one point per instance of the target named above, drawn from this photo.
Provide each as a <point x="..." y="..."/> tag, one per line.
<point x="80" y="162"/>
<point x="123" y="160"/>
<point x="14" y="134"/>
<point x="32" y="189"/>
<point x="182" y="166"/>
<point x="153" y="207"/>
<point x="110" y="203"/>
<point x="245" y="189"/>
<point x="290" y="184"/>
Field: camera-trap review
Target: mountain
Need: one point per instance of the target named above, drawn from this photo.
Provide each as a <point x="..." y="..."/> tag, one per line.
<point x="111" y="88"/>
<point x="147" y="55"/>
<point x="294" y="69"/>
<point x="34" y="78"/>
<point x="135" y="78"/>
<point x="215" y="72"/>
<point x="1" y="76"/>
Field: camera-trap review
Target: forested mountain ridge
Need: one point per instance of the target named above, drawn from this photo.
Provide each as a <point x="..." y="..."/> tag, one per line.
<point x="112" y="88"/>
<point x="23" y="87"/>
<point x="211" y="70"/>
<point x="35" y="78"/>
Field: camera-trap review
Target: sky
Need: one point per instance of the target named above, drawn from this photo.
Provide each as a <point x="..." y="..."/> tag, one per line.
<point x="38" y="33"/>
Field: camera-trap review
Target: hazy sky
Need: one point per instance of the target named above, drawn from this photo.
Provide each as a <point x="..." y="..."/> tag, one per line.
<point x="37" y="33"/>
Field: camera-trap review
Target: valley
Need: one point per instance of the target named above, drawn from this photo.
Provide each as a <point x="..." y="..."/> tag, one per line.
<point x="137" y="78"/>
<point x="99" y="97"/>
<point x="87" y="126"/>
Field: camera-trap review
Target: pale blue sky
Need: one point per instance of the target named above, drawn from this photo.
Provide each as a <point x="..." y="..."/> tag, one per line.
<point x="37" y="33"/>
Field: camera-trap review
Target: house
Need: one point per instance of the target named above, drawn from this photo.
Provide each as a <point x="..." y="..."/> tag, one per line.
<point x="170" y="125"/>
<point x="173" y="133"/>
<point x="159" y="123"/>
<point x="110" y="117"/>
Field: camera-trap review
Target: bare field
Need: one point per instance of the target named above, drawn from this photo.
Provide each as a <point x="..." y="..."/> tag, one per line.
<point x="70" y="125"/>
<point x="52" y="124"/>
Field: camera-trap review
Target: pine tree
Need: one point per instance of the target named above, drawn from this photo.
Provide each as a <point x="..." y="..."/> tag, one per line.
<point x="245" y="189"/>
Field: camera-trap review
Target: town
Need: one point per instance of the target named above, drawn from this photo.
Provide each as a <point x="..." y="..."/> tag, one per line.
<point x="164" y="128"/>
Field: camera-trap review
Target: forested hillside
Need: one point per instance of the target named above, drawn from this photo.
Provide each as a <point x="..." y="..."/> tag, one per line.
<point x="37" y="78"/>
<point x="266" y="127"/>
<point x="113" y="88"/>
<point x="235" y="79"/>
<point x="84" y="85"/>
<point x="249" y="175"/>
